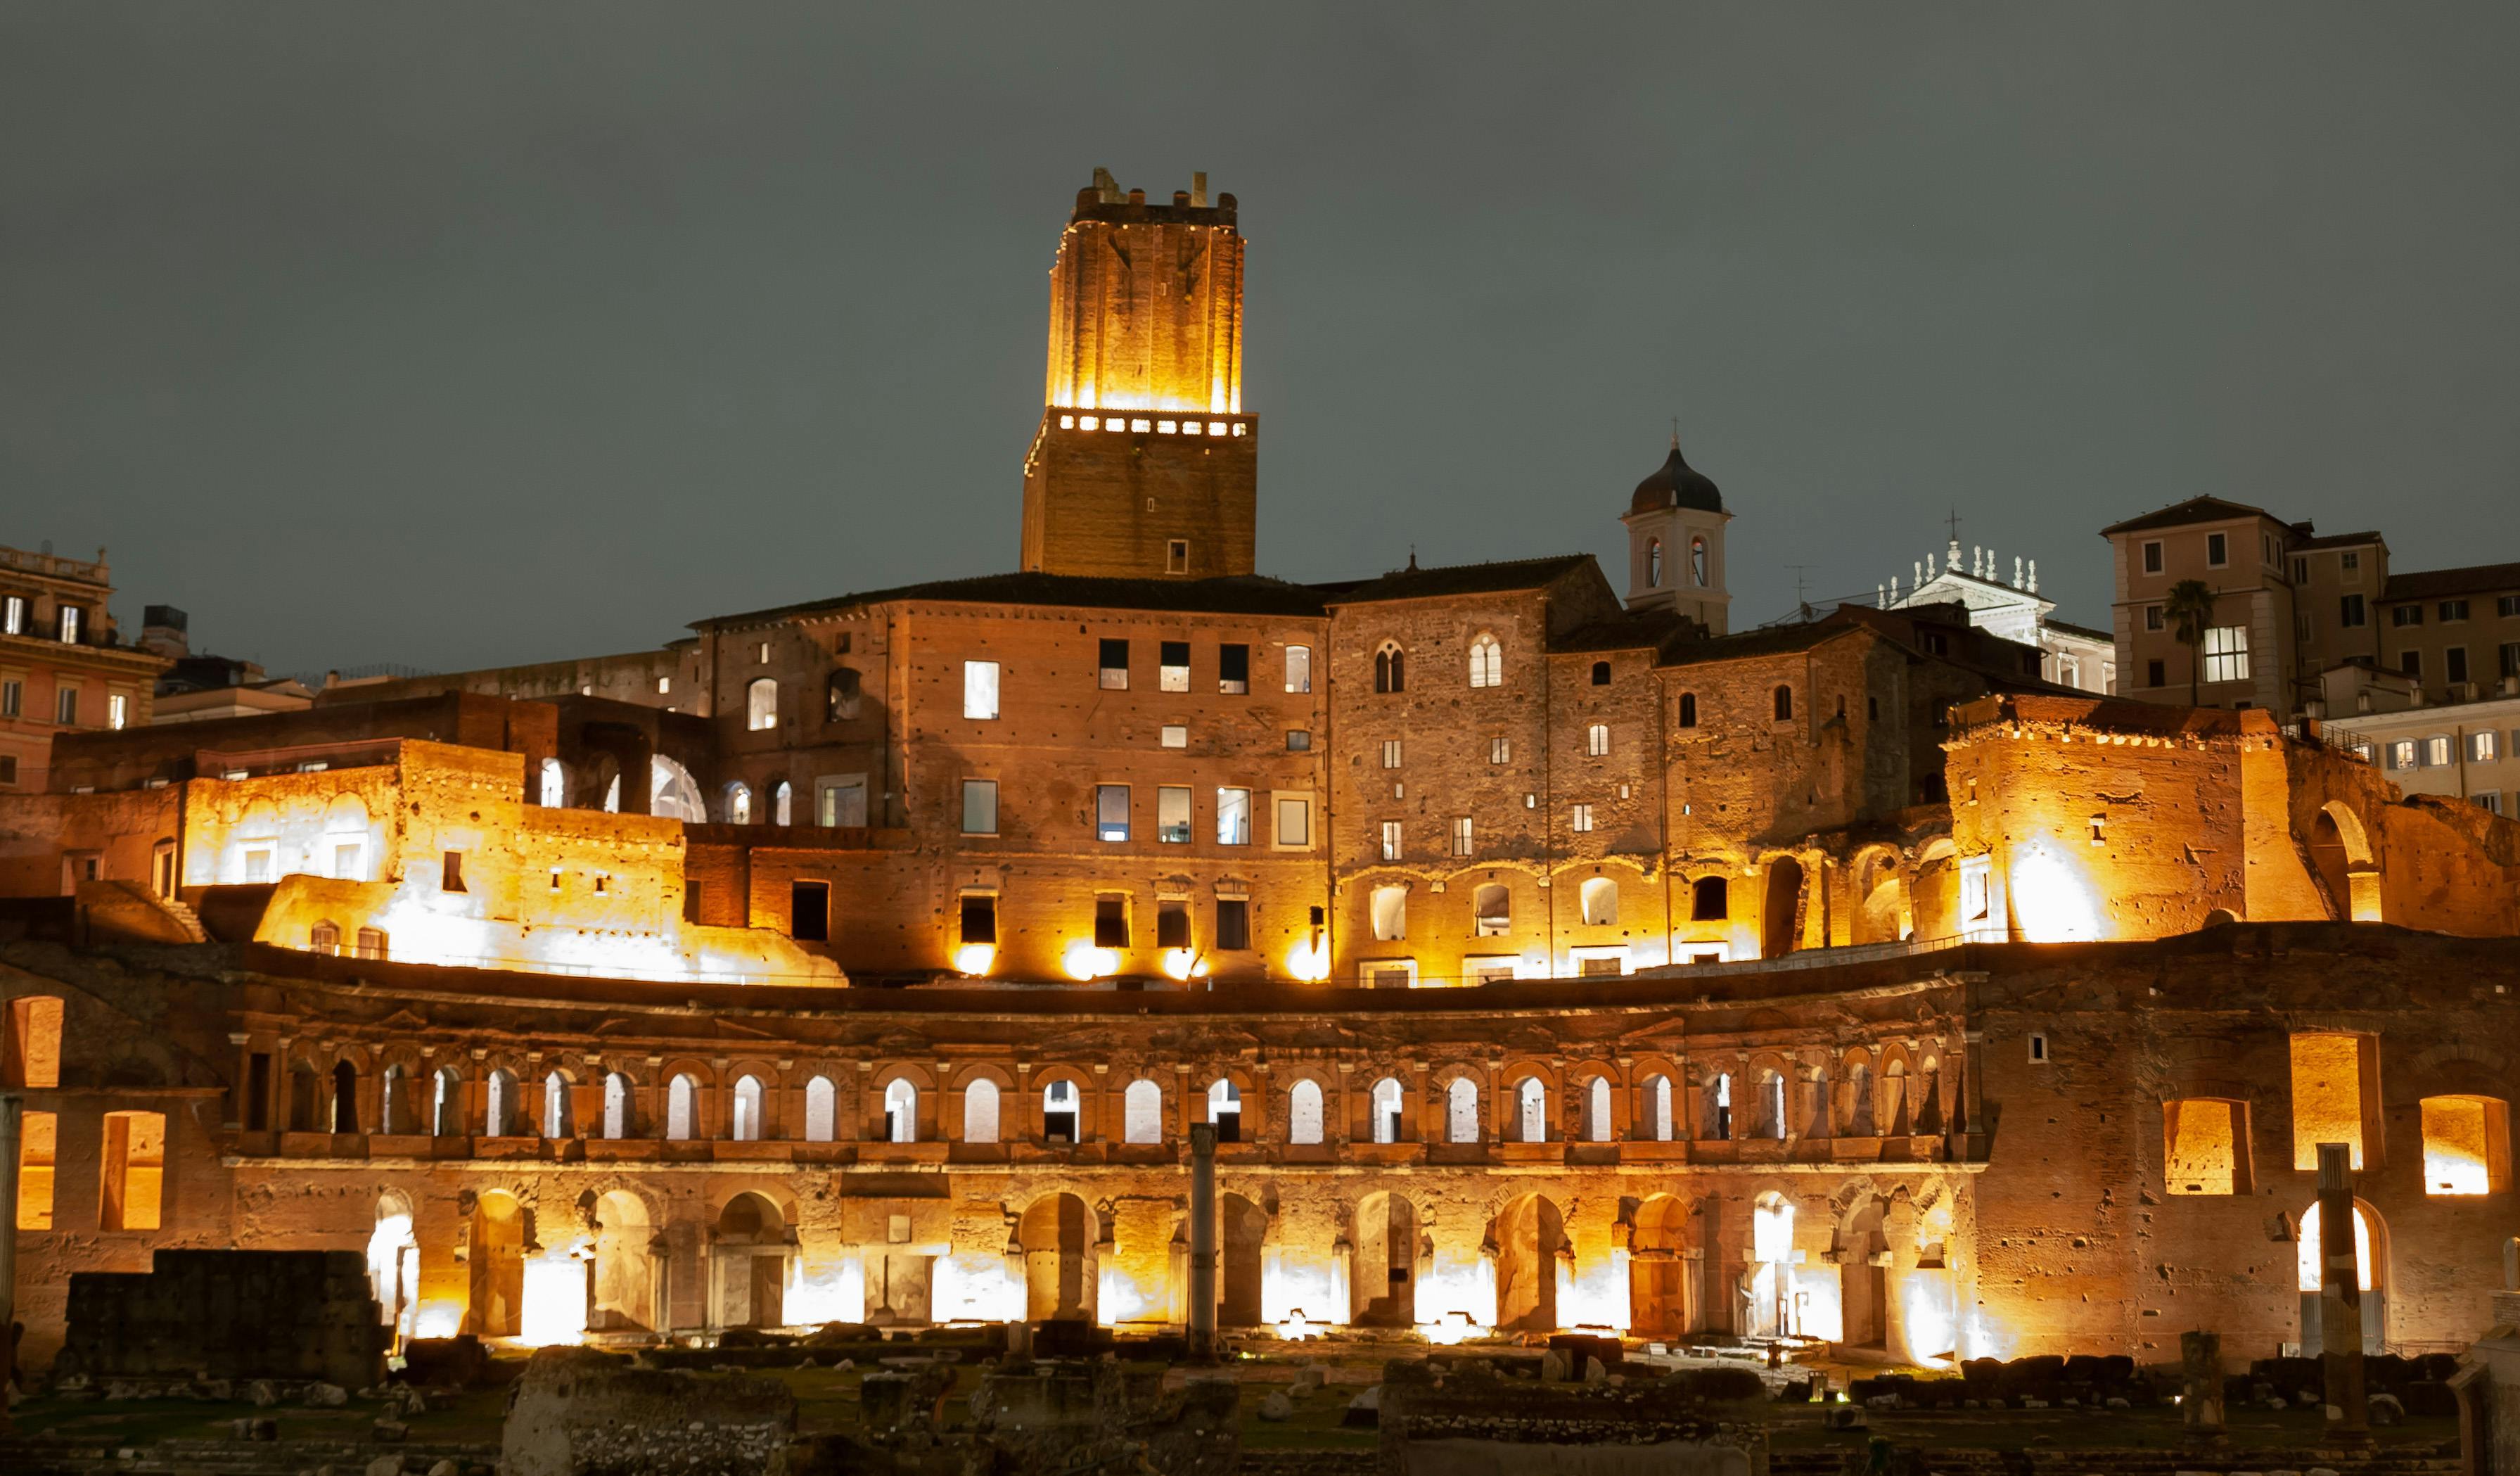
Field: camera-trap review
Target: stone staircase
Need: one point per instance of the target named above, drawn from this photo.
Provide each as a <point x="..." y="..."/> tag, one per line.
<point x="2036" y="1460"/>
<point x="183" y="914"/>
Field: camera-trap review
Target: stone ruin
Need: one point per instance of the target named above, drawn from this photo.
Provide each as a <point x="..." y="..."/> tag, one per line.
<point x="579" y="1412"/>
<point x="1463" y="1418"/>
<point x="289" y="1317"/>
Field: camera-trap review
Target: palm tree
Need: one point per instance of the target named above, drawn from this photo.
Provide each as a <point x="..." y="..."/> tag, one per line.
<point x="2190" y="608"/>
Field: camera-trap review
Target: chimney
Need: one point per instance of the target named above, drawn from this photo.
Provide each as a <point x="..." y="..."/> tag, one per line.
<point x="1199" y="188"/>
<point x="1106" y="188"/>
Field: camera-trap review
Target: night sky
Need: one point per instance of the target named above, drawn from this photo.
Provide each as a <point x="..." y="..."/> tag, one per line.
<point x="462" y="335"/>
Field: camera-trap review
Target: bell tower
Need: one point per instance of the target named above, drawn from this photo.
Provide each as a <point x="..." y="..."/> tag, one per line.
<point x="1676" y="543"/>
<point x="1145" y="465"/>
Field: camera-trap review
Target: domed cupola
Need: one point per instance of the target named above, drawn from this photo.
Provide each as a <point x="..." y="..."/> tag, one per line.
<point x="1675" y="522"/>
<point x="1677" y="484"/>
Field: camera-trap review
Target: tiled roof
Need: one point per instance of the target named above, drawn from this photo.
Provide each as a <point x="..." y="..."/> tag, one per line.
<point x="2339" y="541"/>
<point x="2193" y="510"/>
<point x="1238" y="595"/>
<point x="2085" y="632"/>
<point x="2476" y="578"/>
<point x="1453" y="580"/>
<point x="1628" y="630"/>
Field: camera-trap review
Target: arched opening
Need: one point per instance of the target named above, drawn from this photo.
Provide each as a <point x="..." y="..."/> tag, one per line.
<point x="559" y="1122"/>
<point x="901" y="1112"/>
<point x="1225" y="1110"/>
<point x="1698" y="562"/>
<point x="1487" y="662"/>
<point x="822" y="1110"/>
<point x="1936" y="901"/>
<point x="1658" y="1124"/>
<point x="1864" y="1296"/>
<point x="682" y="1107"/>
<point x="1601" y="899"/>
<point x="739" y="803"/>
<point x="782" y="804"/>
<point x="1060" y="1106"/>
<point x="1771" y="1104"/>
<point x="1894" y="1099"/>
<point x="1242" y="1228"/>
<point x="1530" y="1111"/>
<point x="305" y="1099"/>
<point x="1462" y="1110"/>
<point x="1304" y="1112"/>
<point x="497" y="1264"/>
<point x="1596" y="1111"/>
<point x="1383" y="1289"/>
<point x="1390" y="668"/>
<point x="1782" y="702"/>
<point x="393" y="1264"/>
<point x="762" y="705"/>
<point x="1142" y="1109"/>
<point x="1658" y="1280"/>
<point x="1779" y="918"/>
<point x="1653" y="563"/>
<point x="622" y="1294"/>
<point x="1860" y="1120"/>
<point x="446" y="1103"/>
<point x="1385" y="1103"/>
<point x="502" y="1114"/>
<point x="751" y="1252"/>
<point x="744" y="1122"/>
<point x="672" y="792"/>
<point x="2341" y="853"/>
<point x="393" y="1105"/>
<point x="1771" y="1270"/>
<point x="1056" y="1241"/>
<point x="2370" y="1274"/>
<point x="552" y="785"/>
<point x="617" y="1106"/>
<point x="1882" y="915"/>
<point x="1718" y="1122"/>
<point x="1529" y="1238"/>
<point x="1929" y="1098"/>
<point x="345" y="1097"/>
<point x="325" y="937"/>
<point x="1491" y="910"/>
<point x="979" y="1110"/>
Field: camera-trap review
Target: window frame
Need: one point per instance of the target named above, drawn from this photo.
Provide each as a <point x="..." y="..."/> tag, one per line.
<point x="980" y="688"/>
<point x="987" y="791"/>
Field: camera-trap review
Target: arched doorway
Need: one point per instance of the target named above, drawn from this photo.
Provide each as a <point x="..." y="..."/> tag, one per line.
<point x="1529" y="1236"/>
<point x="1936" y="895"/>
<point x="1057" y="1237"/>
<point x="1770" y="1285"/>
<point x="1864" y="1295"/>
<point x="623" y="1293"/>
<point x="751" y="1249"/>
<point x="1881" y="911"/>
<point x="498" y="1264"/>
<point x="1780" y="914"/>
<point x="1242" y="1228"/>
<point x="2371" y="1275"/>
<point x="2342" y="854"/>
<point x="1384" y="1286"/>
<point x="1658" y="1270"/>
<point x="393" y="1264"/>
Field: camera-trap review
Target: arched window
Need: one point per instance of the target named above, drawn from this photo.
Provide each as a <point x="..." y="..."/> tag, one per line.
<point x="901" y="1112"/>
<point x="1687" y="709"/>
<point x="1653" y="563"/>
<point x="1600" y="673"/>
<point x="1386" y="1107"/>
<point x="762" y="705"/>
<point x="979" y="1111"/>
<point x="371" y="942"/>
<point x="503" y="1103"/>
<point x="1225" y="1110"/>
<point x="1390" y="913"/>
<point x="1304" y="1113"/>
<point x="555" y="1113"/>
<point x="616" y="1105"/>
<point x="739" y="803"/>
<point x="1858" y="1100"/>
<point x="1142" y="1109"/>
<point x="325" y="937"/>
<point x="1710" y="899"/>
<point x="1596" y="1111"/>
<point x="822" y="1110"/>
<point x="345" y="1097"/>
<point x="842" y="694"/>
<point x="1390" y="671"/>
<point x="783" y="804"/>
<point x="446" y="1104"/>
<point x="1462" y="1110"/>
<point x="1697" y="561"/>
<point x="1491" y="910"/>
<point x="1486" y="663"/>
<point x="682" y="1107"/>
<point x="554" y="785"/>
<point x="746" y="1121"/>
<point x="1719" y="1107"/>
<point x="1600" y="902"/>
<point x="1658" y="1107"/>
<point x="393" y="1109"/>
<point x="1058" y="1112"/>
<point x="1531" y="1111"/>
<point x="1784" y="703"/>
<point x="1772" y="1105"/>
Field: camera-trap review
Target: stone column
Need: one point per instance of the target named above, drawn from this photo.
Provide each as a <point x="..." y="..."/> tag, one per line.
<point x="2200" y="1405"/>
<point x="2340" y="1296"/>
<point x="1203" y="1242"/>
<point x="13" y="1122"/>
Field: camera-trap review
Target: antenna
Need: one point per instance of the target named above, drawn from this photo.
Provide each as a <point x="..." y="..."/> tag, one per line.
<point x="1799" y="605"/>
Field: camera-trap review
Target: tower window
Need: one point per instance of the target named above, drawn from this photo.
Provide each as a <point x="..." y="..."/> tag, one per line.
<point x="1177" y="556"/>
<point x="1784" y="703"/>
<point x="1653" y="563"/>
<point x="1600" y="673"/>
<point x="1697" y="561"/>
<point x="1390" y="670"/>
<point x="1486" y="663"/>
<point x="1687" y="709"/>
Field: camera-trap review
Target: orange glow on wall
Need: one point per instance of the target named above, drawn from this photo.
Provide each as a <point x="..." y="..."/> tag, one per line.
<point x="2202" y="1147"/>
<point x="2467" y="1145"/>
<point x="2327" y="1096"/>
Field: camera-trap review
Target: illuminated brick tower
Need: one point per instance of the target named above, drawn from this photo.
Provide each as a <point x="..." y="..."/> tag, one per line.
<point x="1145" y="465"/>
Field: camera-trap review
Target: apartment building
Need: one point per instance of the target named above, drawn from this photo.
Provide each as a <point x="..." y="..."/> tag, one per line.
<point x="61" y="664"/>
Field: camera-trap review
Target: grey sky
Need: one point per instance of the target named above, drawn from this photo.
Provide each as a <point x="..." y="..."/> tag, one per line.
<point x="455" y="335"/>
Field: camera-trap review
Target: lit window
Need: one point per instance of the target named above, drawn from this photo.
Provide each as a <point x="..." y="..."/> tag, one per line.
<point x="841" y="802"/>
<point x="70" y="619"/>
<point x="117" y="710"/>
<point x="1491" y="910"/>
<point x="1234" y="668"/>
<point x="1174" y="735"/>
<point x="1486" y="663"/>
<point x="2467" y="1145"/>
<point x="1461" y="835"/>
<point x="13" y="615"/>
<point x="981" y="690"/>
<point x="782" y="804"/>
<point x="1597" y="740"/>
<point x="1299" y="668"/>
<point x="980" y="806"/>
<point x="1583" y="818"/>
<point x="664" y="686"/>
<point x="36" y="1151"/>
<point x="1499" y="750"/>
<point x="1172" y="814"/>
<point x="134" y="1170"/>
<point x="1390" y="833"/>
<point x="2226" y="653"/>
<point x="762" y="705"/>
<point x="1390" y="905"/>
<point x="2205" y="1146"/>
<point x="979" y="1099"/>
<point x="1112" y="811"/>
<point x="1294" y="822"/>
<point x="2327" y="1096"/>
<point x="1390" y="753"/>
<point x="1601" y="899"/>
<point x="1234" y="817"/>
<point x="1172" y="670"/>
<point x="2401" y="754"/>
<point x="13" y="698"/>
<point x="2437" y="751"/>
<point x="739" y="803"/>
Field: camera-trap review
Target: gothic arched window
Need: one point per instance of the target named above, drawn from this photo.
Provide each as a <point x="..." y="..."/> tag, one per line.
<point x="1390" y="673"/>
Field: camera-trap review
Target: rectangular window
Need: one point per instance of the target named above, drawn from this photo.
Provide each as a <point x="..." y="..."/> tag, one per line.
<point x="1172" y="923"/>
<point x="2350" y="561"/>
<point x="450" y="874"/>
<point x="135" y="1171"/>
<point x="13" y="699"/>
<point x="1172" y="814"/>
<point x="981" y="690"/>
<point x="980" y="806"/>
<point x="1390" y="753"/>
<point x="979" y="918"/>
<point x="1110" y="921"/>
<point x="117" y="710"/>
<point x="2488" y="800"/>
<point x="2218" y="550"/>
<point x="1232" y="924"/>
<point x="2452" y="610"/>
<point x="1234" y="670"/>
<point x="2437" y="751"/>
<point x="1499" y="750"/>
<point x="2205" y="1146"/>
<point x="70" y="617"/>
<point x="2412" y="663"/>
<point x="1114" y="675"/>
<point x="1299" y="668"/>
<point x="842" y="804"/>
<point x="2454" y="665"/>
<point x="35" y="1159"/>
<point x="2152" y="618"/>
<point x="2401" y="754"/>
<point x="2349" y="611"/>
<point x="1177" y="556"/>
<point x="1461" y="835"/>
<point x="2301" y="571"/>
<point x="8" y="768"/>
<point x="2467" y="1145"/>
<point x="12" y="616"/>
<point x="258" y="864"/>
<point x="2226" y="653"/>
<point x="1234" y="817"/>
<point x="1112" y="811"/>
<point x="2152" y="556"/>
<point x="2480" y="747"/>
<point x="1298" y="740"/>
<point x="1174" y="735"/>
<point x="1583" y="818"/>
<point x="1294" y="822"/>
<point x="65" y="707"/>
<point x="2506" y="659"/>
<point x="2508" y="606"/>
<point x="2405" y="615"/>
<point x="1597" y="740"/>
<point x="1390" y="833"/>
<point x="1172" y="669"/>
<point x="809" y="911"/>
<point x="2327" y="1097"/>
